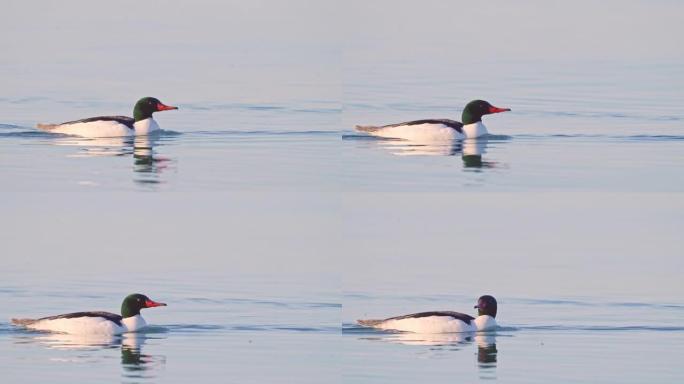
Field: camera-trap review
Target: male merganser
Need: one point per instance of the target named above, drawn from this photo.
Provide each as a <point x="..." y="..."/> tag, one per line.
<point x="439" y="129"/>
<point x="96" y="322"/>
<point x="141" y="123"/>
<point x="441" y="321"/>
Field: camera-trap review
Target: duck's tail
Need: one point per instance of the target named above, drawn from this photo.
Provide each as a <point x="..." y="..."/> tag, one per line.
<point x="46" y="127"/>
<point x="367" y="128"/>
<point x="23" y="322"/>
<point x="369" y="322"/>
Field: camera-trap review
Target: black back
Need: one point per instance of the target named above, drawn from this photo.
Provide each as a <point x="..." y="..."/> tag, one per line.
<point x="450" y="123"/>
<point x="107" y="315"/>
<point x="456" y="315"/>
<point x="125" y="120"/>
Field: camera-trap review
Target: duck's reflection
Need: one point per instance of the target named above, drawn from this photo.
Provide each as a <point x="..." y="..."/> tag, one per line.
<point x="134" y="362"/>
<point x="485" y="342"/>
<point x="470" y="150"/>
<point x="431" y="339"/>
<point x="98" y="146"/>
<point x="147" y="164"/>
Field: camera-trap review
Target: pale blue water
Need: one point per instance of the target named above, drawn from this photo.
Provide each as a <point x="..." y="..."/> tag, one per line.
<point x="269" y="226"/>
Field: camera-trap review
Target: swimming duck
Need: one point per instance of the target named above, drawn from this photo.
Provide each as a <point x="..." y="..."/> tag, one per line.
<point x="439" y="129"/>
<point x="98" y="322"/>
<point x="142" y="122"/>
<point x="442" y="321"/>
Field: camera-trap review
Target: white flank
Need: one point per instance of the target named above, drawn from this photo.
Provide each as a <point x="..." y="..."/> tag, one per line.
<point x="430" y="133"/>
<point x="103" y="128"/>
<point x="429" y="324"/>
<point x="89" y="325"/>
<point x="93" y="129"/>
<point x="419" y="132"/>
<point x="79" y="325"/>
<point x="438" y="324"/>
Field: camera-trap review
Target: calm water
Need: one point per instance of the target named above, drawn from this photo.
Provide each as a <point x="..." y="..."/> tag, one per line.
<point x="269" y="226"/>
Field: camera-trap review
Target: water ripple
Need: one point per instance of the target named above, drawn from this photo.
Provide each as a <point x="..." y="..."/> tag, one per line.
<point x="349" y="328"/>
<point x="273" y="303"/>
<point x="601" y="328"/>
<point x="264" y="133"/>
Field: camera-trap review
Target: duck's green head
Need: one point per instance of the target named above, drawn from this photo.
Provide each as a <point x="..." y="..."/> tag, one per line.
<point x="133" y="303"/>
<point x="146" y="106"/>
<point x="473" y="111"/>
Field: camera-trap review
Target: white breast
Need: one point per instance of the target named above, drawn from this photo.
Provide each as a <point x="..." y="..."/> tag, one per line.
<point x="145" y="127"/>
<point x="134" y="323"/>
<point x="485" y="323"/>
<point x="420" y="132"/>
<point x="428" y="324"/>
<point x="94" y="129"/>
<point x="79" y="325"/>
<point x="474" y="130"/>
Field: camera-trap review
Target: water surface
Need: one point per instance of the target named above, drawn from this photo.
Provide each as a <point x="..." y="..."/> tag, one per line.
<point x="270" y="226"/>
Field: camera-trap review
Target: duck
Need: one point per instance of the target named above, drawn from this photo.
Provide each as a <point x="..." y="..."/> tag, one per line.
<point x="95" y="322"/>
<point x="441" y="321"/>
<point x="439" y="129"/>
<point x="142" y="122"/>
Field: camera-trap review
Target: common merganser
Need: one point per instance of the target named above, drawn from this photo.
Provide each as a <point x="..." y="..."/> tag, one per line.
<point x="141" y="123"/>
<point x="441" y="321"/>
<point x="96" y="322"/>
<point x="439" y="129"/>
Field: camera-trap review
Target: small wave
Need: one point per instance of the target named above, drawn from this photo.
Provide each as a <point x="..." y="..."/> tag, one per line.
<point x="603" y="136"/>
<point x="318" y="110"/>
<point x="286" y="328"/>
<point x="324" y="305"/>
<point x="346" y="135"/>
<point x="186" y="328"/>
<point x="491" y="137"/>
<point x="307" y="329"/>
<point x="273" y="303"/>
<point x="168" y="133"/>
<point x="25" y="100"/>
<point x="603" y="115"/>
<point x="10" y="126"/>
<point x="237" y="301"/>
<point x="348" y="328"/>
<point x="657" y="137"/>
<point x="263" y="133"/>
<point x="28" y="134"/>
<point x="360" y="136"/>
<point x="358" y="295"/>
<point x="594" y="328"/>
<point x="8" y="328"/>
<point x="598" y="303"/>
<point x="263" y="108"/>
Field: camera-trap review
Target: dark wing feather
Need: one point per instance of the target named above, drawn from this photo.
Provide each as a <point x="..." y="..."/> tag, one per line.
<point x="107" y="315"/>
<point x="456" y="315"/>
<point x="450" y="123"/>
<point x="125" y="120"/>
